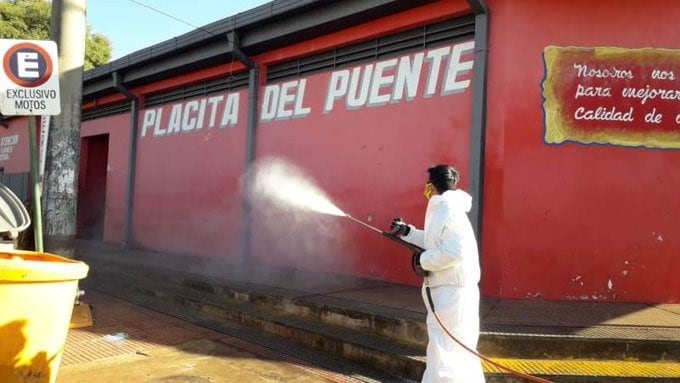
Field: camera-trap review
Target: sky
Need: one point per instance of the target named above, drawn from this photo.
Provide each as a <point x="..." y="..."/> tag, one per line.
<point x="131" y="26"/>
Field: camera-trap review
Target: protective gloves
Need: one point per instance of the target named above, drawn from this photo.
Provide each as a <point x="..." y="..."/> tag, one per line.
<point x="399" y="227"/>
<point x="415" y="265"/>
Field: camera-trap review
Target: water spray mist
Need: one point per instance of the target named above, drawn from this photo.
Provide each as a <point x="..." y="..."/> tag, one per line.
<point x="286" y="185"/>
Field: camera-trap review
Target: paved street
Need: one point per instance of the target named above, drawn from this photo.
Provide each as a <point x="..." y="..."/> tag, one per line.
<point x="132" y="344"/>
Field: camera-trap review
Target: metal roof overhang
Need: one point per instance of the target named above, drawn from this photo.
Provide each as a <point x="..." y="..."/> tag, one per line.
<point x="270" y="26"/>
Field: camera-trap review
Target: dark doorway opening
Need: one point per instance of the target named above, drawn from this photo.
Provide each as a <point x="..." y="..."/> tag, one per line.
<point x="94" y="154"/>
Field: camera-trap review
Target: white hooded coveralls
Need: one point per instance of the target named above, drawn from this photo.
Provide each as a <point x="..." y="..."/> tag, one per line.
<point x="452" y="259"/>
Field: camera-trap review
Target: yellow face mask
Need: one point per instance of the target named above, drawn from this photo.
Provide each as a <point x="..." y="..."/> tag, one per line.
<point x="429" y="190"/>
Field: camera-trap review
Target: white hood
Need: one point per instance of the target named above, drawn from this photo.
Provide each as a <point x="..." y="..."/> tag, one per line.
<point x="451" y="248"/>
<point x="457" y="199"/>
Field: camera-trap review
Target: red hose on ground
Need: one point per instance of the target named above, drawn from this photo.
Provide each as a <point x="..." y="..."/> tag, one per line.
<point x="522" y="375"/>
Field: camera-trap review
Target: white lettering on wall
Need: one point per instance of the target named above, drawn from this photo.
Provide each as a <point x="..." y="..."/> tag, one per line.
<point x="592" y="91"/>
<point x="269" y="99"/>
<point x="380" y="81"/>
<point x="456" y="67"/>
<point x="337" y="88"/>
<point x="284" y="101"/>
<point x="189" y="119"/>
<point x="408" y="76"/>
<point x="583" y="70"/>
<point x="435" y="57"/>
<point x="603" y="85"/>
<point x="230" y="114"/>
<point x="7" y="144"/>
<point x="287" y="98"/>
<point x="175" y="119"/>
<point x="444" y="70"/>
<point x="604" y="114"/>
<point x="650" y="93"/>
<point x="654" y="117"/>
<point x="358" y="95"/>
<point x="658" y="74"/>
<point x="214" y="102"/>
<point x="191" y="116"/>
<point x="148" y="120"/>
<point x="390" y="81"/>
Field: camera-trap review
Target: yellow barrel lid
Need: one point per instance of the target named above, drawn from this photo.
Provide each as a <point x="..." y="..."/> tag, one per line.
<point x="28" y="266"/>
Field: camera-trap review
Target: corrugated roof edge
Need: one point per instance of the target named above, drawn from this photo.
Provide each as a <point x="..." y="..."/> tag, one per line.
<point x="274" y="9"/>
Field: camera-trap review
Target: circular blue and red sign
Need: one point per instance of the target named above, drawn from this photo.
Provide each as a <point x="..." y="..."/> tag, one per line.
<point x="27" y="65"/>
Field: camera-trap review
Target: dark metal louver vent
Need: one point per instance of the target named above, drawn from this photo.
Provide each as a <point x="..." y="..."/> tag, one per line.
<point x="18" y="183"/>
<point x="419" y="38"/>
<point x="203" y="88"/>
<point x="108" y="110"/>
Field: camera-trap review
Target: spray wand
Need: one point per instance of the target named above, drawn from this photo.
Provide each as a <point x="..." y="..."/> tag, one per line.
<point x="391" y="236"/>
<point x="414" y="248"/>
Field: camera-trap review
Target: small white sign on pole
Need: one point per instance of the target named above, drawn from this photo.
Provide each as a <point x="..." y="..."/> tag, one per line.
<point x="44" y="135"/>
<point x="29" y="78"/>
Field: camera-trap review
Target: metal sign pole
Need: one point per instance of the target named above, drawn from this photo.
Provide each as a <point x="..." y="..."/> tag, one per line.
<point x="37" y="210"/>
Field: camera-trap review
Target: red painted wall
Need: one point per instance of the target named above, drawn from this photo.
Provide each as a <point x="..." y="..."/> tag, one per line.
<point x="118" y="129"/>
<point x="187" y="191"/>
<point x="188" y="196"/>
<point x="371" y="161"/>
<point x="571" y="221"/>
<point x="566" y="222"/>
<point x="14" y="145"/>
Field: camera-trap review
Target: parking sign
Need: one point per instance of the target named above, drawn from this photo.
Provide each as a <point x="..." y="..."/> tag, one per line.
<point x="29" y="80"/>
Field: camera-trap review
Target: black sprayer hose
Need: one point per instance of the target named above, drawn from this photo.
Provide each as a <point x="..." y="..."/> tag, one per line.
<point x="522" y="375"/>
<point x="519" y="374"/>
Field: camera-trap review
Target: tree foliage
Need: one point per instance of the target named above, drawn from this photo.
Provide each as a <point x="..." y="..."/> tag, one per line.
<point x="97" y="49"/>
<point x="30" y="20"/>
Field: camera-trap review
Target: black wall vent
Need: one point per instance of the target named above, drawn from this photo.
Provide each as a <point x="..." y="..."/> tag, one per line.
<point x="419" y="38"/>
<point x="18" y="183"/>
<point x="203" y="88"/>
<point x="107" y="110"/>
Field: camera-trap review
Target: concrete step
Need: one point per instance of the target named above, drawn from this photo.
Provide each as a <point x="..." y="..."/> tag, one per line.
<point x="362" y="347"/>
<point x="302" y="325"/>
<point x="399" y="325"/>
<point x="302" y="356"/>
<point x="509" y="341"/>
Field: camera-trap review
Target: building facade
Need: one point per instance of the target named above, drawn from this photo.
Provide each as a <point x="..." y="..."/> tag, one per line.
<point x="563" y="117"/>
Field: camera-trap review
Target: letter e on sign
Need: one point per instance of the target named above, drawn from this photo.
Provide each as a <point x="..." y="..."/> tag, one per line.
<point x="29" y="80"/>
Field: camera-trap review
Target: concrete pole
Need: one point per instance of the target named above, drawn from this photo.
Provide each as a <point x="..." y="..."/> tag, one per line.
<point x="63" y="149"/>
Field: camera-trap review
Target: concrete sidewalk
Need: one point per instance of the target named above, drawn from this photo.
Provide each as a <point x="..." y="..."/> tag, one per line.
<point x="382" y="325"/>
<point x="129" y="343"/>
<point x="578" y="319"/>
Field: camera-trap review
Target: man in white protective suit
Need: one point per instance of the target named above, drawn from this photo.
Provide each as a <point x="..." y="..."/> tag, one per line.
<point x="450" y="266"/>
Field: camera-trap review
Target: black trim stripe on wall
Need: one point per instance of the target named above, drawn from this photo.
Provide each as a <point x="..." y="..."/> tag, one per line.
<point x="18" y="183"/>
<point x="424" y="37"/>
<point x="203" y="88"/>
<point x="415" y="39"/>
<point x="104" y="111"/>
